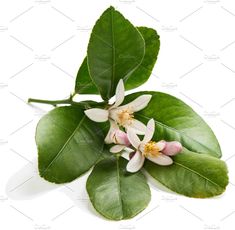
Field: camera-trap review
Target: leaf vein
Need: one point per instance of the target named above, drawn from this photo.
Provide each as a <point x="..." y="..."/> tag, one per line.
<point x="63" y="147"/>
<point x="195" y="172"/>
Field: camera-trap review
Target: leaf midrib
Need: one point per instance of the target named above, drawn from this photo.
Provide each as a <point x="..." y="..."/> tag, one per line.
<point x="119" y="186"/>
<point x="199" y="174"/>
<point x="178" y="131"/>
<point x="113" y="54"/>
<point x="63" y="147"/>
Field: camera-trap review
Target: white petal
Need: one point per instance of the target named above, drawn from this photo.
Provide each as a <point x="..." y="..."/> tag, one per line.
<point x="113" y="113"/>
<point x="133" y="138"/>
<point x="161" y="145"/>
<point x="149" y="131"/>
<point x="139" y="103"/>
<point x="120" y="94"/>
<point x="161" y="160"/>
<point x="137" y="127"/>
<point x="125" y="155"/>
<point x="98" y="115"/>
<point x="117" y="148"/>
<point x="135" y="163"/>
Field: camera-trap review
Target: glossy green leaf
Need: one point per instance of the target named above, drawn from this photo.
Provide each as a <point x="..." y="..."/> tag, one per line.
<point x="68" y="144"/>
<point x="174" y="120"/>
<point x="192" y="174"/>
<point x="144" y="70"/>
<point x="115" y="49"/>
<point x="116" y="194"/>
<point x="84" y="84"/>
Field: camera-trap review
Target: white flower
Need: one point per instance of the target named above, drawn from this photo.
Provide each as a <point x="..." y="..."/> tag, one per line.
<point x="122" y="115"/>
<point x="153" y="151"/>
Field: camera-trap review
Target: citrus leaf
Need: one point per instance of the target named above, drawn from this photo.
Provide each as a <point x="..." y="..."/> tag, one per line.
<point x="68" y="144"/>
<point x="115" y="49"/>
<point x="116" y="194"/>
<point x="192" y="174"/>
<point x="144" y="70"/>
<point x="174" y="120"/>
<point x="84" y="84"/>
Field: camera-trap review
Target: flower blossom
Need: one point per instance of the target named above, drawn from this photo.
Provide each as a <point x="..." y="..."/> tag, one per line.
<point x="157" y="152"/>
<point x="122" y="115"/>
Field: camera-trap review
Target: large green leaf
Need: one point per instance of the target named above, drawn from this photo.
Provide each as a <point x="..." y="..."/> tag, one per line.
<point x="84" y="84"/>
<point x="115" y="49"/>
<point x="68" y="144"/>
<point x="192" y="174"/>
<point x="174" y="120"/>
<point x="116" y="194"/>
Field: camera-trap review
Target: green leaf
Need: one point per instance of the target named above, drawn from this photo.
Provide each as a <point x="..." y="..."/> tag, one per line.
<point x="192" y="174"/>
<point x="116" y="48"/>
<point x="68" y="144"/>
<point x="144" y="70"/>
<point x="174" y="120"/>
<point x="116" y="194"/>
<point x="84" y="84"/>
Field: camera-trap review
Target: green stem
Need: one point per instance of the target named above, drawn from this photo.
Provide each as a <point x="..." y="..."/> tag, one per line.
<point x="56" y="102"/>
<point x="69" y="101"/>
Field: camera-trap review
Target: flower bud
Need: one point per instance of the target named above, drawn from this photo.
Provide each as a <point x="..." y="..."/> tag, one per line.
<point x="172" y="148"/>
<point x="121" y="138"/>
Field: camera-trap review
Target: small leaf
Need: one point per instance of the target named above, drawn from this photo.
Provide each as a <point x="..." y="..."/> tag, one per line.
<point x="116" y="194"/>
<point x="68" y="144"/>
<point x="144" y="70"/>
<point x="115" y="49"/>
<point x="174" y="120"/>
<point x="192" y="174"/>
<point x="84" y="84"/>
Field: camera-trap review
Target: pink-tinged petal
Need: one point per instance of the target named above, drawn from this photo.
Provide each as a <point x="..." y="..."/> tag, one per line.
<point x="98" y="115"/>
<point x="121" y="138"/>
<point x="149" y="131"/>
<point x="133" y="138"/>
<point x="135" y="163"/>
<point x="120" y="94"/>
<point x="137" y="127"/>
<point x="139" y="103"/>
<point x="172" y="148"/>
<point x="161" y="159"/>
<point x="117" y="148"/>
<point x="161" y="145"/>
<point x="109" y="137"/>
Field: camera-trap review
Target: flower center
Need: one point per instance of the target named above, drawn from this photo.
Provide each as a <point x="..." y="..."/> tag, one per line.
<point x="125" y="117"/>
<point x="151" y="149"/>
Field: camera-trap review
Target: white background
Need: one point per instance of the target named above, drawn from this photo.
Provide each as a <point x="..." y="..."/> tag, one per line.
<point x="42" y="44"/>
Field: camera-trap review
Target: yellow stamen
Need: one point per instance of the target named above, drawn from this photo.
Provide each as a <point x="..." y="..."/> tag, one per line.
<point x="151" y="149"/>
<point x="125" y="117"/>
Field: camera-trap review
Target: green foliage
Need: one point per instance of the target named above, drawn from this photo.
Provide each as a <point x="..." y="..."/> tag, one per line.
<point x="69" y="143"/>
<point x="115" y="193"/>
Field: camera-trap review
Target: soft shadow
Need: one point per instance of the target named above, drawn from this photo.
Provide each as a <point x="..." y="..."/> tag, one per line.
<point x="27" y="184"/>
<point x="76" y="191"/>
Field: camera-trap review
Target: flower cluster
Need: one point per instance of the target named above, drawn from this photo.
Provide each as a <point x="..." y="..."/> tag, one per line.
<point x="124" y="131"/>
